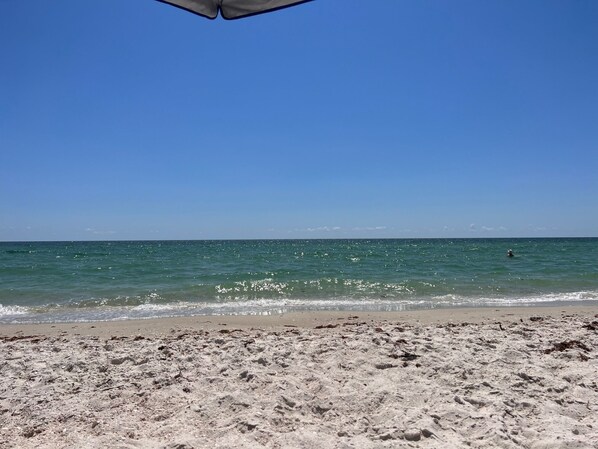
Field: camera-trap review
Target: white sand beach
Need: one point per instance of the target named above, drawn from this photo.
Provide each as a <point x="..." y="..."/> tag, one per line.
<point x="479" y="378"/>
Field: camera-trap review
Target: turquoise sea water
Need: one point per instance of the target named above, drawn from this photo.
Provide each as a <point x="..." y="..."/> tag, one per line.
<point x="75" y="281"/>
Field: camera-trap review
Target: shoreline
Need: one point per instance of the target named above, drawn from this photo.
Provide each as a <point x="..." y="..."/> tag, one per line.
<point x="307" y="319"/>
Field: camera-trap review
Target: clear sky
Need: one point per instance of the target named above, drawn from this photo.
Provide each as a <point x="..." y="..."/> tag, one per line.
<point x="337" y="118"/>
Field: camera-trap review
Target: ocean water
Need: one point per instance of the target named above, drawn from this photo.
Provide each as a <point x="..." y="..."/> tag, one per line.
<point x="91" y="281"/>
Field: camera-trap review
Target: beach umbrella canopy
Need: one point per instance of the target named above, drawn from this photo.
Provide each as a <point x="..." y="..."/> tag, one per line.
<point x="231" y="9"/>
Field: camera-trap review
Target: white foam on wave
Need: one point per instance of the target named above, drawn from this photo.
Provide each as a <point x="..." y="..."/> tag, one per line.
<point x="154" y="307"/>
<point x="255" y="286"/>
<point x="18" y="314"/>
<point x="7" y="311"/>
<point x="456" y="300"/>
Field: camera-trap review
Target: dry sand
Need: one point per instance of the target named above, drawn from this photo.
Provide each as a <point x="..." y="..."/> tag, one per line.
<point x="481" y="378"/>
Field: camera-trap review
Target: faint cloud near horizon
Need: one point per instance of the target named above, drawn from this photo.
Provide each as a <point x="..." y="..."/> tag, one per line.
<point x="492" y="228"/>
<point x="370" y="228"/>
<point x="99" y="232"/>
<point x="323" y="228"/>
<point x="474" y="228"/>
<point x="341" y="229"/>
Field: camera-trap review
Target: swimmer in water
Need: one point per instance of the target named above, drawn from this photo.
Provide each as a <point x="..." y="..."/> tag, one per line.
<point x="510" y="253"/>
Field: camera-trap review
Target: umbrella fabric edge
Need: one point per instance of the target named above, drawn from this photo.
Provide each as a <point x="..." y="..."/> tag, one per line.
<point x="277" y="8"/>
<point x="192" y="11"/>
<point x="195" y="11"/>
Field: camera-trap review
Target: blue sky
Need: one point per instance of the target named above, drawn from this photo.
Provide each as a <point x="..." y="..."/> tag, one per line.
<point x="136" y="120"/>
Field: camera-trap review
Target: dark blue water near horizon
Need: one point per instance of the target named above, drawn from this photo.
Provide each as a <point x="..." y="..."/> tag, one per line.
<point x="88" y="281"/>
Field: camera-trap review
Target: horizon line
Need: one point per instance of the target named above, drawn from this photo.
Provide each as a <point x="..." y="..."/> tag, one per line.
<point x="296" y="239"/>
